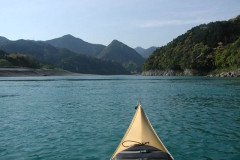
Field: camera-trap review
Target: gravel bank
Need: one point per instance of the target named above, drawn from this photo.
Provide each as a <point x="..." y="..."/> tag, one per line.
<point x="24" y="72"/>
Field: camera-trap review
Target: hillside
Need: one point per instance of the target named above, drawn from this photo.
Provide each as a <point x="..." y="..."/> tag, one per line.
<point x="145" y="52"/>
<point x="204" y="48"/>
<point x="76" y="45"/>
<point x="140" y="50"/>
<point x="20" y="60"/>
<point x="121" y="53"/>
<point x="62" y="58"/>
<point x="3" y="39"/>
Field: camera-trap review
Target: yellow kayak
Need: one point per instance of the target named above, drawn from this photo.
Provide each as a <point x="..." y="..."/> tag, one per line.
<point x="141" y="141"/>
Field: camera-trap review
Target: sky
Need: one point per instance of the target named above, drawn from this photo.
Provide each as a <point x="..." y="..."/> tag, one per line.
<point x="135" y="23"/>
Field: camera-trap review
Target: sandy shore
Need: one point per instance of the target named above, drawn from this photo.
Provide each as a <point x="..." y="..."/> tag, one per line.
<point x="24" y="72"/>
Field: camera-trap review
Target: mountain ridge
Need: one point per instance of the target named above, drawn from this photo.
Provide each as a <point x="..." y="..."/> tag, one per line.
<point x="145" y="52"/>
<point x="3" y="39"/>
<point x="129" y="58"/>
<point x="123" y="54"/>
<point x="76" y="45"/>
<point x="62" y="58"/>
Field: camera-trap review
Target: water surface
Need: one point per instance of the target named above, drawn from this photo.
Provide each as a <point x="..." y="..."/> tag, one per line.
<point x="86" y="117"/>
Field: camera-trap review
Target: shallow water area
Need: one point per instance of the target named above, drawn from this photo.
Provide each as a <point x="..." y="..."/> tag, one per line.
<point x="85" y="117"/>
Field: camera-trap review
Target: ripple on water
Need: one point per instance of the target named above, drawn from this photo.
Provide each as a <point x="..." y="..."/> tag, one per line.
<point x="85" y="118"/>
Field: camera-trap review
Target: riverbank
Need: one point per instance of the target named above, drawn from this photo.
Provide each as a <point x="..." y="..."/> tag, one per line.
<point x="235" y="73"/>
<point x="171" y="72"/>
<point x="24" y="72"/>
<point x="189" y="72"/>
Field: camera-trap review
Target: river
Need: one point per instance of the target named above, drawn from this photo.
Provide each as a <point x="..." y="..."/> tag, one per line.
<point x="85" y="117"/>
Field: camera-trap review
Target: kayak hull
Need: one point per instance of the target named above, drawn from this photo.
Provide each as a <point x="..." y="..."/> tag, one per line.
<point x="139" y="136"/>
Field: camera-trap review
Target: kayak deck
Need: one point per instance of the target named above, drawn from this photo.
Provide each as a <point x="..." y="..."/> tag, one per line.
<point x="142" y="151"/>
<point x="141" y="141"/>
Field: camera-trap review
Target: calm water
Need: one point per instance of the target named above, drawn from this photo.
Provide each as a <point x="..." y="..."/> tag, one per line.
<point x="86" y="117"/>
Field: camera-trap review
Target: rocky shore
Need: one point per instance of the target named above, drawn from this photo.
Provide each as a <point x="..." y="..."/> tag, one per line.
<point x="170" y="72"/>
<point x="189" y="72"/>
<point x="24" y="72"/>
<point x="235" y="73"/>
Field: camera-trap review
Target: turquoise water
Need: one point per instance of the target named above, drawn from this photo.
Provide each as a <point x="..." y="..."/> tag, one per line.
<point x="86" y="117"/>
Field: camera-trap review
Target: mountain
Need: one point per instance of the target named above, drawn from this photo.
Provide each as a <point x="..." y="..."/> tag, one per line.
<point x="121" y="53"/>
<point x="145" y="52"/>
<point x="140" y="50"/>
<point x="205" y="48"/>
<point x="116" y="51"/>
<point x="3" y="39"/>
<point x="76" y="45"/>
<point x="62" y="58"/>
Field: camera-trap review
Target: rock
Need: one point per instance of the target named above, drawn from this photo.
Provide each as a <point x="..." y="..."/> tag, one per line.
<point x="170" y="72"/>
<point x="235" y="73"/>
<point x="166" y="72"/>
<point x="190" y="72"/>
<point x="210" y="75"/>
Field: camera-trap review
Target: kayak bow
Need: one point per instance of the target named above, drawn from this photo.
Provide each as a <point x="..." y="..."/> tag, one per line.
<point x="141" y="141"/>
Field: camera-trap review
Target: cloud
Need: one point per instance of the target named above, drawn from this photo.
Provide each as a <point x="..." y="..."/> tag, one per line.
<point x="159" y="23"/>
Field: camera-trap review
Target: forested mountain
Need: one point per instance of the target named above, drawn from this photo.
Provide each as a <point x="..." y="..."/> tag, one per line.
<point x="62" y="58"/>
<point x="207" y="47"/>
<point x="115" y="51"/>
<point x="121" y="53"/>
<point x="3" y="39"/>
<point x="77" y="45"/>
<point x="145" y="52"/>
